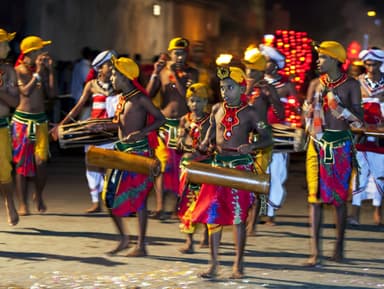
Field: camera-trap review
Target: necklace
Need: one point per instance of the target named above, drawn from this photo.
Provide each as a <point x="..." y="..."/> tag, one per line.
<point x="333" y="83"/>
<point x="196" y="127"/>
<point x="230" y="118"/>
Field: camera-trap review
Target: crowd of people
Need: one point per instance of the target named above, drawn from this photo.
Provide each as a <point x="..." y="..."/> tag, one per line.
<point x="341" y="114"/>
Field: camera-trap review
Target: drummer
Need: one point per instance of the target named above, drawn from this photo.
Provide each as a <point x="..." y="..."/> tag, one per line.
<point x="192" y="129"/>
<point x="287" y="94"/>
<point x="136" y="120"/>
<point x="9" y="98"/>
<point x="370" y="151"/>
<point x="231" y="122"/>
<point x="171" y="78"/>
<point x="262" y="96"/>
<point x="104" y="99"/>
<point x="35" y="78"/>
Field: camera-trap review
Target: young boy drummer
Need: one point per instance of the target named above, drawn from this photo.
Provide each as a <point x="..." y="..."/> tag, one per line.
<point x="231" y="122"/>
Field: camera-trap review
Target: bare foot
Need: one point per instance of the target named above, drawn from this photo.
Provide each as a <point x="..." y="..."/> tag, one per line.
<point x="313" y="261"/>
<point x="210" y="273"/>
<point x="186" y="250"/>
<point x="95" y="208"/>
<point x="13" y="216"/>
<point x="270" y="221"/>
<point x="236" y="275"/>
<point x="23" y="210"/>
<point x="124" y="244"/>
<point x="137" y="252"/>
<point x="41" y="207"/>
<point x="251" y="233"/>
<point x="336" y="258"/>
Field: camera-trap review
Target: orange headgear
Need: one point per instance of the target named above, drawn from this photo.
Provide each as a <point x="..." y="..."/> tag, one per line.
<point x="333" y="49"/>
<point x="178" y="43"/>
<point x="126" y="66"/>
<point x="254" y="59"/>
<point x="5" y="36"/>
<point x="31" y="43"/>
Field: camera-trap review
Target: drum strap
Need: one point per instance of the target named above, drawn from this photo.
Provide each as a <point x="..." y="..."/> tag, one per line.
<point x="122" y="100"/>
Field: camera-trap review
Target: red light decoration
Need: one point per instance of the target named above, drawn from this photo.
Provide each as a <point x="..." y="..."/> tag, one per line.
<point x="296" y="46"/>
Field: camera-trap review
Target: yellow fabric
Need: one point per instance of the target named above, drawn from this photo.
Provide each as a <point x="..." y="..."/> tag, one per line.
<point x="214" y="228"/>
<point x="127" y="67"/>
<point x="5" y="36"/>
<point x="5" y="156"/>
<point x="178" y="43"/>
<point x="161" y="154"/>
<point x="42" y="143"/>
<point x="333" y="49"/>
<point x="32" y="43"/>
<point x="199" y="90"/>
<point x="312" y="167"/>
<point x="263" y="159"/>
<point x="233" y="72"/>
<point x="254" y="59"/>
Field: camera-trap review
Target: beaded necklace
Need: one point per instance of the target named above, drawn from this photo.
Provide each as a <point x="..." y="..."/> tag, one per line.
<point x="196" y="127"/>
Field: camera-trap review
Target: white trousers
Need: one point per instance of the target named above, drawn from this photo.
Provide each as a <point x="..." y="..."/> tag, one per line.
<point x="370" y="186"/>
<point x="278" y="169"/>
<point x="95" y="179"/>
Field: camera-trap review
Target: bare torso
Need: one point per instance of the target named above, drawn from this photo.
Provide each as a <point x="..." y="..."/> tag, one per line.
<point x="35" y="101"/>
<point x="8" y="86"/>
<point x="173" y="103"/>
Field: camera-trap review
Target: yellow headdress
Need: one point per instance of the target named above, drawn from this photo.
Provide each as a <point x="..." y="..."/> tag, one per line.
<point x="126" y="66"/>
<point x="31" y="43"/>
<point x="333" y="49"/>
<point x="178" y="43"/>
<point x="198" y="89"/>
<point x="254" y="59"/>
<point x="5" y="36"/>
<point x="233" y="72"/>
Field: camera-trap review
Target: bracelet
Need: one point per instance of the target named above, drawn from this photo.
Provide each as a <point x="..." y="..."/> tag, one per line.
<point x="154" y="76"/>
<point x="37" y="77"/>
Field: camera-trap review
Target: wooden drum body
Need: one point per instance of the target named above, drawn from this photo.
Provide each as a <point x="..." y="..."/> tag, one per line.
<point x="200" y="173"/>
<point x="288" y="139"/>
<point x="77" y="134"/>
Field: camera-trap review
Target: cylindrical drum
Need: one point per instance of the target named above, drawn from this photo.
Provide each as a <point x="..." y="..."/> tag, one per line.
<point x="200" y="173"/>
<point x="111" y="159"/>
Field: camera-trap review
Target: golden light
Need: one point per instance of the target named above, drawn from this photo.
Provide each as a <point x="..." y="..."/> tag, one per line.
<point x="223" y="59"/>
<point x="371" y="13"/>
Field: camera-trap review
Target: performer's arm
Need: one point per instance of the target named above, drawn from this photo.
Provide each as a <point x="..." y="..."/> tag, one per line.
<point x="9" y="92"/>
<point x="154" y="83"/>
<point x="75" y="111"/>
<point x="274" y="99"/>
<point x="210" y="135"/>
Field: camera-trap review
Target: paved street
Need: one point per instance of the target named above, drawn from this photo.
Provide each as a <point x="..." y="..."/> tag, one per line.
<point x="64" y="248"/>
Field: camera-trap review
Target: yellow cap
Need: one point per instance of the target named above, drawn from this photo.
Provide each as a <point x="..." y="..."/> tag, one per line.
<point x="31" y="43"/>
<point x="126" y="66"/>
<point x="233" y="72"/>
<point x="178" y="43"/>
<point x="5" y="36"/>
<point x="254" y="59"/>
<point x="333" y="49"/>
<point x="198" y="89"/>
